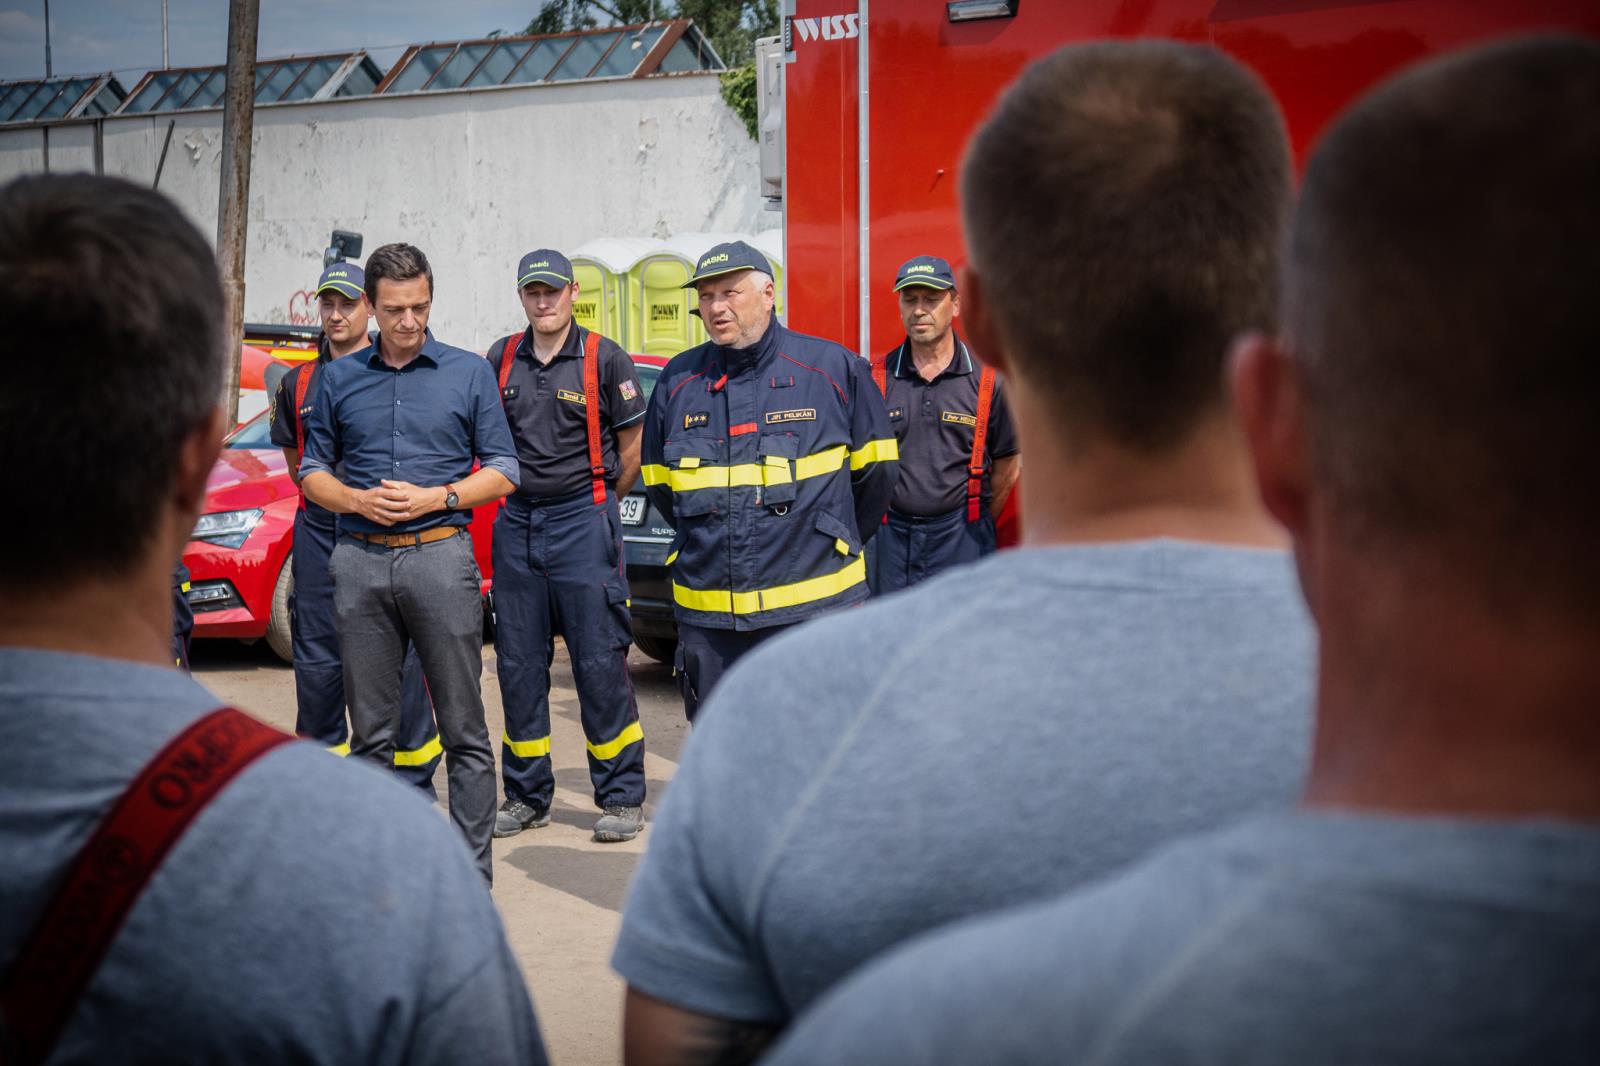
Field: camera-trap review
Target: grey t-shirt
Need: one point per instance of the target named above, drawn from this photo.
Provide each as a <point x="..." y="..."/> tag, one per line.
<point x="997" y="735"/>
<point x="1308" y="939"/>
<point x="316" y="911"/>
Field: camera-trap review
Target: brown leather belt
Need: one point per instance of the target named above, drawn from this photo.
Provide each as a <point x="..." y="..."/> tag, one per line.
<point x="406" y="540"/>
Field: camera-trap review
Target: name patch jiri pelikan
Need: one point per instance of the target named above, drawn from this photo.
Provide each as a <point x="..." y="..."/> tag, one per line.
<point x="799" y="414"/>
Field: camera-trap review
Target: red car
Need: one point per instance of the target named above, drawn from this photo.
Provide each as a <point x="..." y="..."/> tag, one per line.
<point x="238" y="560"/>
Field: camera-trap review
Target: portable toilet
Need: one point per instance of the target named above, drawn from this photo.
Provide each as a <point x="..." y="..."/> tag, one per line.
<point x="660" y="302"/>
<point x="770" y="244"/>
<point x="602" y="270"/>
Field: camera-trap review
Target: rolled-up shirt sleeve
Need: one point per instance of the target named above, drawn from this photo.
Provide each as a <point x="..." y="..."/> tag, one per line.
<point x="324" y="448"/>
<point x="491" y="433"/>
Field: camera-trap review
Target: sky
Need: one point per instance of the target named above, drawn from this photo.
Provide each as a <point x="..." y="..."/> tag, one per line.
<point x="93" y="36"/>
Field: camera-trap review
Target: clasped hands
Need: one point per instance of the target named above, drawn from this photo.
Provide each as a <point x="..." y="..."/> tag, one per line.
<point x="396" y="501"/>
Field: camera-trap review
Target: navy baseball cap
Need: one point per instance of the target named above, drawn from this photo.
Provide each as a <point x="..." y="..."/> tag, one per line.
<point x="546" y="265"/>
<point x="926" y="270"/>
<point x="725" y="259"/>
<point x="346" y="279"/>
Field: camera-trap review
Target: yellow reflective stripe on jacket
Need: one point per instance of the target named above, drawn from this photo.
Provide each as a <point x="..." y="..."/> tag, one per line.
<point x="824" y="462"/>
<point x="609" y="750"/>
<point x="773" y="471"/>
<point x="340" y="750"/>
<point x="722" y="601"/>
<point x="421" y="756"/>
<point x="875" y="451"/>
<point x="528" y="749"/>
<point x="670" y="559"/>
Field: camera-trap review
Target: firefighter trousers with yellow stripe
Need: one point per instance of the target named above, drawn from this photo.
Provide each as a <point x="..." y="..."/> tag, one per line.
<point x="319" y="668"/>
<point x="558" y="569"/>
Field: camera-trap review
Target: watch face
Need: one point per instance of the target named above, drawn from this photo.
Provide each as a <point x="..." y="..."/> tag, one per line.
<point x="451" y="499"/>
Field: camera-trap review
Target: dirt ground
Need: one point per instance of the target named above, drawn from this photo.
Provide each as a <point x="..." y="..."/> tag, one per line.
<point x="559" y="893"/>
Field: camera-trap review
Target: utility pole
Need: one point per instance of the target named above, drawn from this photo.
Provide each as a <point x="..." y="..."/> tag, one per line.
<point x="238" y="121"/>
<point x="48" y="68"/>
<point x="166" y="60"/>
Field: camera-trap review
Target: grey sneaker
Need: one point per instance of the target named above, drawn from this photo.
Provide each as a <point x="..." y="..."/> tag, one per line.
<point x="618" y="823"/>
<point x="514" y="816"/>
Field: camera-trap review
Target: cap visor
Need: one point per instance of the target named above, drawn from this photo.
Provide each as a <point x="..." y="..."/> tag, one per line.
<point x="344" y="288"/>
<point x="698" y="278"/>
<point x="548" y="277"/>
<point x="927" y="283"/>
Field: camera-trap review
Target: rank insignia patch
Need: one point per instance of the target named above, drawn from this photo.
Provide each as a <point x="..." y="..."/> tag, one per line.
<point x="897" y="413"/>
<point x="510" y="392"/>
<point x="700" y="418"/>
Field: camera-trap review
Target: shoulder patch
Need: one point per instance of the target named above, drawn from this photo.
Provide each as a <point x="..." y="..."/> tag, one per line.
<point x="699" y="418"/>
<point x="959" y="418"/>
<point x="628" y="390"/>
<point x="799" y="414"/>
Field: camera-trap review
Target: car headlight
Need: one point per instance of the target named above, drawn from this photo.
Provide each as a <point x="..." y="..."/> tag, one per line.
<point x="229" y="529"/>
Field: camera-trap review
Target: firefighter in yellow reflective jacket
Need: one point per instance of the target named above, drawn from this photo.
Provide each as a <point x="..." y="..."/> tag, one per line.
<point x="770" y="453"/>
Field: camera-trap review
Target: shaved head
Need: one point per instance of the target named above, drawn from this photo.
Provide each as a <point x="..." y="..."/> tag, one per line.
<point x="1442" y="303"/>
<point x="1125" y="206"/>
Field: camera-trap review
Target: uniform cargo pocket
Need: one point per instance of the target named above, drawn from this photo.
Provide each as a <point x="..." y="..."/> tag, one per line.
<point x="775" y="454"/>
<point x="618" y="609"/>
<point x="846" y="542"/>
<point x="695" y="475"/>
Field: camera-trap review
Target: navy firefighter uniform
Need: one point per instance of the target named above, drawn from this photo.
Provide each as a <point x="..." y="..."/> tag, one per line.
<point x="558" y="564"/>
<point x="318" y="665"/>
<point x="182" y="617"/>
<point x="950" y="431"/>
<point x="774" y="463"/>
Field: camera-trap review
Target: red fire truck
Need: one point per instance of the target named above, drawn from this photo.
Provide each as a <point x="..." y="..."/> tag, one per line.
<point x="867" y="107"/>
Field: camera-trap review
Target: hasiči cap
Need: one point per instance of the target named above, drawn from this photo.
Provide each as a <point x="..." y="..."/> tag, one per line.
<point x="345" y="278"/>
<point x="727" y="258"/>
<point x="926" y="270"/>
<point x="546" y="265"/>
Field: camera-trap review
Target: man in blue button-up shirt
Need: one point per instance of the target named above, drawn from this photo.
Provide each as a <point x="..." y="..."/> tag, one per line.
<point x="407" y="417"/>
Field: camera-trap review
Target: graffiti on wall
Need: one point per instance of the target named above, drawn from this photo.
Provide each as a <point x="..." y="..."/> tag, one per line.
<point x="303" y="308"/>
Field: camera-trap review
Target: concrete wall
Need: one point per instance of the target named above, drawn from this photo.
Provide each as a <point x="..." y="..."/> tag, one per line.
<point x="473" y="178"/>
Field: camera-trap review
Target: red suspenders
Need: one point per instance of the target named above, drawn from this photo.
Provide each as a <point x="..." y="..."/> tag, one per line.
<point x="980" y="437"/>
<point x="980" y="434"/>
<point x="508" y="349"/>
<point x="109" y="874"/>
<point x="591" y="405"/>
<point x="591" y="414"/>
<point x="302" y="384"/>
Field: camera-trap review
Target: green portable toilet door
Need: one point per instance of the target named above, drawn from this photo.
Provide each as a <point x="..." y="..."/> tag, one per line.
<point x="598" y="305"/>
<point x="664" y="306"/>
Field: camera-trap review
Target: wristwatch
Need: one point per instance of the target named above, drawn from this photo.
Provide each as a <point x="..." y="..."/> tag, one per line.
<point x="451" y="500"/>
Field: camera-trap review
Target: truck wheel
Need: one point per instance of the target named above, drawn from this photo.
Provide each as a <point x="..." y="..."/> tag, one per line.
<point x="658" y="648"/>
<point x="278" y="635"/>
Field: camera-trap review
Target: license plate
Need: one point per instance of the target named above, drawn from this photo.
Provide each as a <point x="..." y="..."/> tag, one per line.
<point x="633" y="510"/>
